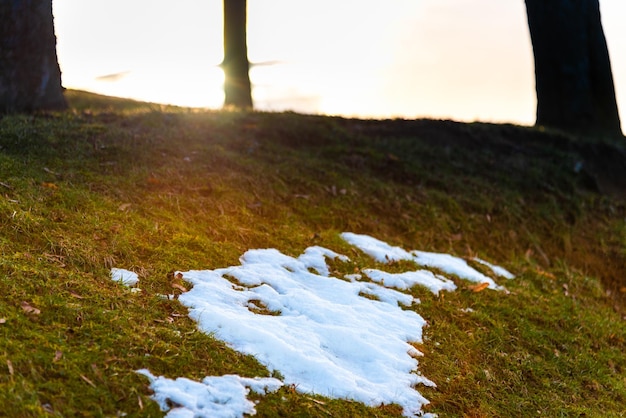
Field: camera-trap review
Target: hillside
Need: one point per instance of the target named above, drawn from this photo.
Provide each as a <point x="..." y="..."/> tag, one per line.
<point x="155" y="190"/>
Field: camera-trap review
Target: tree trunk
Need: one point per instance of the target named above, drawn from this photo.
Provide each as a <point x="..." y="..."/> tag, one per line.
<point x="237" y="89"/>
<point x="30" y="78"/>
<point x="573" y="77"/>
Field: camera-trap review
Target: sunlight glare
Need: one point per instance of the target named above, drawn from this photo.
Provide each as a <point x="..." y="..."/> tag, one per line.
<point x="454" y="59"/>
<point x="166" y="54"/>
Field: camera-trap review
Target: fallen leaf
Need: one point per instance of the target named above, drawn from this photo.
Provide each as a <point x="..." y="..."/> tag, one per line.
<point x="545" y="273"/>
<point x="179" y="287"/>
<point x="10" y="367"/>
<point x="53" y="258"/>
<point x="124" y="207"/>
<point x="3" y="320"/>
<point x="74" y="295"/>
<point x="57" y="356"/>
<point x="26" y="307"/>
<point x="96" y="371"/>
<point x="86" y="379"/>
<point x="479" y="287"/>
<point x="49" y="186"/>
<point x="456" y="237"/>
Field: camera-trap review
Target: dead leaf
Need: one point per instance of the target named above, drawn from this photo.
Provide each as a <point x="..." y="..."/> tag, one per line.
<point x="140" y="402"/>
<point x="3" y="320"/>
<point x="179" y="287"/>
<point x="96" y="371"/>
<point x="74" y="295"/>
<point x="27" y="308"/>
<point x="456" y="237"/>
<point x="49" y="185"/>
<point x="124" y="207"/>
<point x="10" y="367"/>
<point x="57" y="356"/>
<point x="479" y="287"/>
<point x="153" y="181"/>
<point x="545" y="274"/>
<point x="53" y="258"/>
<point x="86" y="379"/>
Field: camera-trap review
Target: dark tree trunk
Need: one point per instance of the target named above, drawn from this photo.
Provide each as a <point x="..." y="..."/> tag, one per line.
<point x="237" y="89"/>
<point x="574" y="83"/>
<point x="30" y="78"/>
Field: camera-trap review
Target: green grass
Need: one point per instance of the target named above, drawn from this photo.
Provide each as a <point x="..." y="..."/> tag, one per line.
<point x="154" y="189"/>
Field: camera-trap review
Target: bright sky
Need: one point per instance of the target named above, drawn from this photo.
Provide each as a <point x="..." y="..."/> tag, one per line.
<point x="324" y="336"/>
<point x="461" y="59"/>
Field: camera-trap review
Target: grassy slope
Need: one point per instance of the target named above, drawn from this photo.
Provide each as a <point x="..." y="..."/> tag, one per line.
<point x="152" y="189"/>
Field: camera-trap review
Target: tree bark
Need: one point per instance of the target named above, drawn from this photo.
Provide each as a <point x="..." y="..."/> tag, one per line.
<point x="30" y="77"/>
<point x="237" y="88"/>
<point x="574" y="82"/>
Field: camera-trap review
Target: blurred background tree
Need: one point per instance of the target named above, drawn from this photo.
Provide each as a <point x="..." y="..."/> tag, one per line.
<point x="574" y="82"/>
<point x="30" y="78"/>
<point x="237" y="88"/>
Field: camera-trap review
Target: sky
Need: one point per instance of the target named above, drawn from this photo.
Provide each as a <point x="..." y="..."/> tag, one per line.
<point x="347" y="337"/>
<point x="465" y="60"/>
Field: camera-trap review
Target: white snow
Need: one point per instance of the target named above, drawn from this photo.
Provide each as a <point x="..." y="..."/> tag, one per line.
<point x="215" y="397"/>
<point x="378" y="250"/>
<point x="383" y="252"/>
<point x="404" y="281"/>
<point x="326" y="335"/>
<point x="327" y="339"/>
<point x="126" y="277"/>
<point x="500" y="271"/>
<point x="453" y="265"/>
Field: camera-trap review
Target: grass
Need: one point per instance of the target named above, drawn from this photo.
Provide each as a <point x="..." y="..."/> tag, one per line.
<point x="117" y="183"/>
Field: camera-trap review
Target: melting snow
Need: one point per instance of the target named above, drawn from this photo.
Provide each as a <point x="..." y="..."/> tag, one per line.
<point x="496" y="269"/>
<point x="323" y="334"/>
<point x="126" y="277"/>
<point x="383" y="252"/>
<point x="216" y="396"/>
<point x="407" y="280"/>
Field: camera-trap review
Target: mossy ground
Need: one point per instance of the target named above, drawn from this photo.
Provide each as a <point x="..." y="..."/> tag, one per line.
<point x="116" y="183"/>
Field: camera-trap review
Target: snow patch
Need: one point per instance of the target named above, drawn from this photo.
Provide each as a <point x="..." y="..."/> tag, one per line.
<point x="214" y="397"/>
<point x="385" y="253"/>
<point x="345" y="337"/>
<point x="324" y="336"/>
<point x="126" y="277"/>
